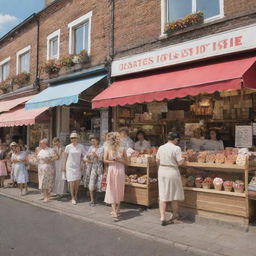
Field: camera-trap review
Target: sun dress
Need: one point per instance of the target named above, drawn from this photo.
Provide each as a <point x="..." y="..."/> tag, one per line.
<point x="45" y="169"/>
<point x="20" y="173"/>
<point x="169" y="179"/>
<point x="60" y="185"/>
<point x="3" y="169"/>
<point x="73" y="165"/>
<point x="94" y="170"/>
<point x="115" y="179"/>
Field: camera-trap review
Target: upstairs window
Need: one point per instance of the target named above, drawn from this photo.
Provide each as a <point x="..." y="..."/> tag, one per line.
<point x="4" y="70"/>
<point x="23" y="60"/>
<point x="53" y="42"/>
<point x="176" y="9"/>
<point x="80" y="34"/>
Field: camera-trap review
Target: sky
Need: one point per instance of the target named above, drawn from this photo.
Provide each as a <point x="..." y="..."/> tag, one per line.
<point x="12" y="12"/>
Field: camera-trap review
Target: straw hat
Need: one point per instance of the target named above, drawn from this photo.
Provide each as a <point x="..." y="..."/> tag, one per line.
<point x="13" y="144"/>
<point x="73" y="135"/>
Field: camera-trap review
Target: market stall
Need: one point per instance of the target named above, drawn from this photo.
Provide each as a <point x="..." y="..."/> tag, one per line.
<point x="194" y="99"/>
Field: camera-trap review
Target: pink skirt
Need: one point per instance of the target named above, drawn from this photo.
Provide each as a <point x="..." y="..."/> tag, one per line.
<point x="115" y="184"/>
<point x="3" y="170"/>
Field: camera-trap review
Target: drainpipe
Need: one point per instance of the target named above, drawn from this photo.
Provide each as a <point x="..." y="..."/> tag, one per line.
<point x="36" y="82"/>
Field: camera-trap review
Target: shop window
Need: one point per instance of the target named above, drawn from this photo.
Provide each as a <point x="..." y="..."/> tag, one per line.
<point x="80" y="34"/>
<point x="23" y="60"/>
<point x="176" y="9"/>
<point x="53" y="42"/>
<point x="4" y="69"/>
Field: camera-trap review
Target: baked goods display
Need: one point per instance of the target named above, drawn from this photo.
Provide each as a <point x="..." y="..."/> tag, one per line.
<point x="135" y="178"/>
<point x="228" y="156"/>
<point x="199" y="181"/>
<point x="228" y="185"/>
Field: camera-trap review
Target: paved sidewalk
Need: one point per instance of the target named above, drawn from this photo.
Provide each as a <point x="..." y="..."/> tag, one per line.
<point x="192" y="237"/>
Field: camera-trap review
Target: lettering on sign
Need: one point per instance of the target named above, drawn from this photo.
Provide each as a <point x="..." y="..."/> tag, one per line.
<point x="218" y="44"/>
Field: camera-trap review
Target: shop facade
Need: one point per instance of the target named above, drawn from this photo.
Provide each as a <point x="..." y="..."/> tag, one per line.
<point x="208" y="83"/>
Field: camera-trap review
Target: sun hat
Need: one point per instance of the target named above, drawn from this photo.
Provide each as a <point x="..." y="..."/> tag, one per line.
<point x="73" y="135"/>
<point x="13" y="144"/>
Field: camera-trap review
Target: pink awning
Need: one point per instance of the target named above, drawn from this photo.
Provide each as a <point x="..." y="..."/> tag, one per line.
<point x="9" y="104"/>
<point x="206" y="77"/>
<point x="19" y="116"/>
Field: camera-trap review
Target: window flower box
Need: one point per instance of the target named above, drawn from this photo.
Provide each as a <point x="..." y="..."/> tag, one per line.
<point x="21" y="79"/>
<point x="52" y="68"/>
<point x="187" y="21"/>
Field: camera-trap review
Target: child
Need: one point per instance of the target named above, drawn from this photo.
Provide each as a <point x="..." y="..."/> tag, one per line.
<point x="3" y="169"/>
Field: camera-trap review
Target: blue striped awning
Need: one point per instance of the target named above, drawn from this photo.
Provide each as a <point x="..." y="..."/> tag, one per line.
<point x="62" y="94"/>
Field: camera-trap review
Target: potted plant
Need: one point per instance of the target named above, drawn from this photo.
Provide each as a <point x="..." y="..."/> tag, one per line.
<point x="67" y="61"/>
<point x="4" y="86"/>
<point x="83" y="56"/>
<point x="187" y="21"/>
<point x="21" y="79"/>
<point x="52" y="68"/>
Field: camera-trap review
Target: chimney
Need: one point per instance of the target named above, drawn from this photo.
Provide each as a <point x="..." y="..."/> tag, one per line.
<point x="48" y="2"/>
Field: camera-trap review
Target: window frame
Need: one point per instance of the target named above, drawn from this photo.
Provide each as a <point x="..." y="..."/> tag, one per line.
<point x="164" y="13"/>
<point x="2" y="63"/>
<point x="76" y="23"/>
<point x="18" y="54"/>
<point x="49" y="39"/>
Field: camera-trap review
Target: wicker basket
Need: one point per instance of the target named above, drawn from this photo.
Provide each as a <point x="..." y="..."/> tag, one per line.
<point x="218" y="187"/>
<point x="198" y="185"/>
<point x="239" y="190"/>
<point x="228" y="188"/>
<point x="206" y="185"/>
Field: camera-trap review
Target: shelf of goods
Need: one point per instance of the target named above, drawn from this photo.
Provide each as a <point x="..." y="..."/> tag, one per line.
<point x="33" y="174"/>
<point x="222" y="205"/>
<point x="142" y="194"/>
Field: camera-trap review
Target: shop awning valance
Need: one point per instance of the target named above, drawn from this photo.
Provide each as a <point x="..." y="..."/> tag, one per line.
<point x="19" y="116"/>
<point x="193" y="80"/>
<point x="62" y="94"/>
<point x="9" y="104"/>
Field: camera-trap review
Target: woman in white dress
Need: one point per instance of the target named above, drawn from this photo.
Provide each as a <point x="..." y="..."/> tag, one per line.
<point x="60" y="187"/>
<point x="20" y="172"/>
<point x="169" y="157"/>
<point x="141" y="145"/>
<point x="74" y="154"/>
<point x="46" y="171"/>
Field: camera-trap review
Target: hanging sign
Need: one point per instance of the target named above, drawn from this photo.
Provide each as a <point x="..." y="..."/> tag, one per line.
<point x="218" y="44"/>
<point x="243" y="136"/>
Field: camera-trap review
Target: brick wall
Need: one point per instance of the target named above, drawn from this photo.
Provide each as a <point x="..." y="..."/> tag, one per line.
<point x="61" y="14"/>
<point x="139" y="30"/>
<point x="21" y="39"/>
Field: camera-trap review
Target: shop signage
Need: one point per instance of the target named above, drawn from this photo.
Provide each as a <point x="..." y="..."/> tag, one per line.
<point x="244" y="137"/>
<point x="222" y="43"/>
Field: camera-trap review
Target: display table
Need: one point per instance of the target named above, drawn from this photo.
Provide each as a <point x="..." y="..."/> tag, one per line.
<point x="221" y="205"/>
<point x="142" y="194"/>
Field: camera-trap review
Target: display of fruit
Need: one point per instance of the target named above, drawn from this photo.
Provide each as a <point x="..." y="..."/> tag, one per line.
<point x="218" y="183"/>
<point x="199" y="181"/>
<point x="228" y="185"/>
<point x="238" y="186"/>
<point x="191" y="181"/>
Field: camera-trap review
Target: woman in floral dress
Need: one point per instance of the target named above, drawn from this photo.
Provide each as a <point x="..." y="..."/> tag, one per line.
<point x="45" y="169"/>
<point x="3" y="169"/>
<point x="94" y="168"/>
<point x="115" y="157"/>
<point x="19" y="169"/>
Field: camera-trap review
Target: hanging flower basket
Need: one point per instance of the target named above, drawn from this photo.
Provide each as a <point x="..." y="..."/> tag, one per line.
<point x="21" y="79"/>
<point x="187" y="21"/>
<point x="52" y="67"/>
